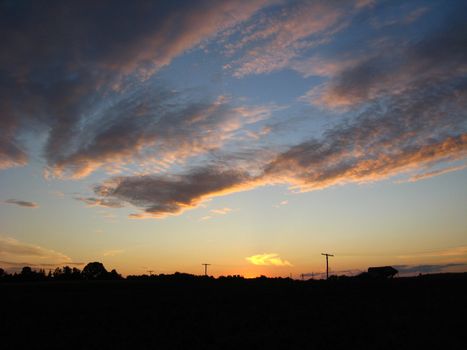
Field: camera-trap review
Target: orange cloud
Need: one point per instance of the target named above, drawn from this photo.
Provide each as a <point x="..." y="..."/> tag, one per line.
<point x="308" y="177"/>
<point x="268" y="259"/>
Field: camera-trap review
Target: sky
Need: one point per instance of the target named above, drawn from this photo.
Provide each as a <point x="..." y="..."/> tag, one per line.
<point x="251" y="135"/>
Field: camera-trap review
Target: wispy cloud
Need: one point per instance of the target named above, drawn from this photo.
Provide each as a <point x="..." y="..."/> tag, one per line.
<point x="453" y="252"/>
<point x="404" y="19"/>
<point x="430" y="174"/>
<point x="273" y="42"/>
<point x="99" y="202"/>
<point x="268" y="259"/>
<point x="221" y="211"/>
<point x="21" y="203"/>
<point x="112" y="252"/>
<point x="14" y="253"/>
<point x="408" y="270"/>
<point x="282" y="203"/>
<point x="215" y="212"/>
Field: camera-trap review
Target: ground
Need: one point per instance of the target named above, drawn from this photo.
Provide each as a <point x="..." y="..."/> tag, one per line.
<point x="200" y="313"/>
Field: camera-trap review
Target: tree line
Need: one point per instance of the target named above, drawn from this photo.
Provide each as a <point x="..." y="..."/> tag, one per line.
<point x="92" y="271"/>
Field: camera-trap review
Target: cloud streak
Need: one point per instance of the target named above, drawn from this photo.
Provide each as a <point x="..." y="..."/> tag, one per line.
<point x="434" y="173"/>
<point x="454" y="252"/>
<point x="21" y="203"/>
<point x="14" y="253"/>
<point x="409" y="270"/>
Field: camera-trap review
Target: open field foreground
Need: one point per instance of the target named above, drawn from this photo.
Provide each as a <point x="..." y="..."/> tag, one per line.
<point x="183" y="312"/>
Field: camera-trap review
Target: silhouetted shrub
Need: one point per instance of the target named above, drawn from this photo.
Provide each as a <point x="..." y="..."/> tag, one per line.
<point x="94" y="270"/>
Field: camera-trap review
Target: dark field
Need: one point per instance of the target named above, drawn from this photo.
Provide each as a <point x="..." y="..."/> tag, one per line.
<point x="405" y="313"/>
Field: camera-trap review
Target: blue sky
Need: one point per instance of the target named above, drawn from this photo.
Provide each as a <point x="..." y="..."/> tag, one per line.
<point x="253" y="134"/>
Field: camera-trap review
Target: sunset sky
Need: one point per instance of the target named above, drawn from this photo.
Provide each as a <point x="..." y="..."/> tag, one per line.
<point x="253" y="135"/>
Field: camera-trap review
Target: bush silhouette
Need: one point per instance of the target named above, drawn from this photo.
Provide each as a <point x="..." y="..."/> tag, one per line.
<point x="94" y="270"/>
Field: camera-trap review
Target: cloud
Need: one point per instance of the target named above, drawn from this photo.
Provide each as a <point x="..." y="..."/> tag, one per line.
<point x="163" y="195"/>
<point x="268" y="259"/>
<point x="10" y="154"/>
<point x="282" y="203"/>
<point x="324" y="67"/>
<point x="99" y="202"/>
<point x="453" y="252"/>
<point x="364" y="3"/>
<point x="430" y="174"/>
<point x="437" y="59"/>
<point x="417" y="130"/>
<point x="221" y="211"/>
<point x="24" y="204"/>
<point x="76" y="75"/>
<point x="408" y="18"/>
<point x="405" y="113"/>
<point x="150" y="124"/>
<point x="112" y="252"/>
<point x="322" y="275"/>
<point x="434" y="268"/>
<point x="14" y="253"/>
<point x="273" y="42"/>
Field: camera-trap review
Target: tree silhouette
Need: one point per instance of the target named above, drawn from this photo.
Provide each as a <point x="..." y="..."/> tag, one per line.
<point x="94" y="270"/>
<point x="26" y="271"/>
<point x="115" y="275"/>
<point x="75" y="273"/>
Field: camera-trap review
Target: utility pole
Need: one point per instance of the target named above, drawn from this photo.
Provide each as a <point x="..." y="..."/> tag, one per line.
<point x="206" y="269"/>
<point x="150" y="272"/>
<point x="327" y="264"/>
